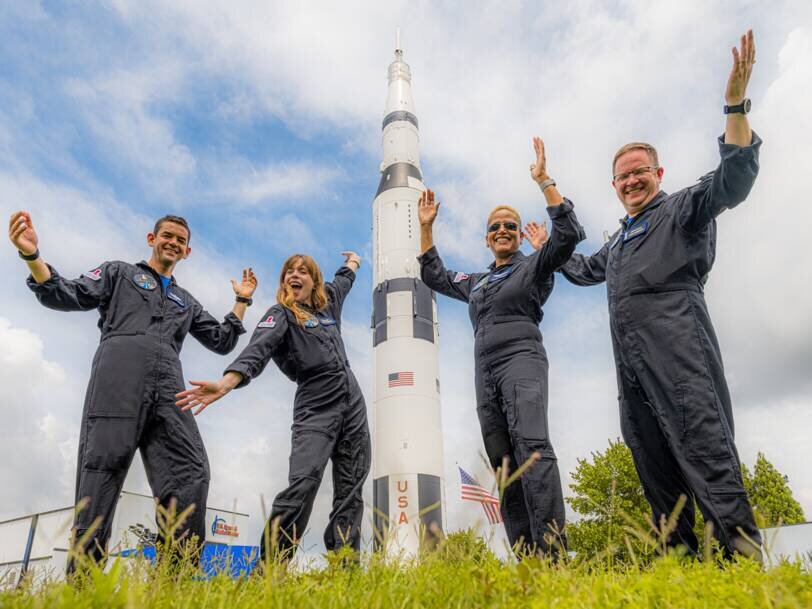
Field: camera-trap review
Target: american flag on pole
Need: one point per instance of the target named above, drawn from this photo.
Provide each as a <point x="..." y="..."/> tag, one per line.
<point x="400" y="379"/>
<point x="471" y="490"/>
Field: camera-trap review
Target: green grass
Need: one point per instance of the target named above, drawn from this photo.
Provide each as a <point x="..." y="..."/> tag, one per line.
<point x="461" y="573"/>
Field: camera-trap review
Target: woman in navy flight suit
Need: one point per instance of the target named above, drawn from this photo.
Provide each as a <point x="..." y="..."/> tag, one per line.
<point x="302" y="334"/>
<point x="504" y="305"/>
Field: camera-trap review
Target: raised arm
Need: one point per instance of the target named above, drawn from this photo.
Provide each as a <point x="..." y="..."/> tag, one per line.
<point x="733" y="179"/>
<point x="243" y="292"/>
<point x="556" y="248"/>
<point x="342" y="281"/>
<point x="432" y="270"/>
<point x="24" y="237"/>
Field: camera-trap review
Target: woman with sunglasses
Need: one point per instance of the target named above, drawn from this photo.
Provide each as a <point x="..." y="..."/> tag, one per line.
<point x="302" y="334"/>
<point x="504" y="305"/>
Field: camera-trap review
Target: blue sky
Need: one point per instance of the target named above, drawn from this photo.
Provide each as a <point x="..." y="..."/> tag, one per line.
<point x="260" y="122"/>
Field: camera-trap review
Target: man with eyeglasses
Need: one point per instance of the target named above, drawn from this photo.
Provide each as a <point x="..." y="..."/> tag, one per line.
<point x="675" y="408"/>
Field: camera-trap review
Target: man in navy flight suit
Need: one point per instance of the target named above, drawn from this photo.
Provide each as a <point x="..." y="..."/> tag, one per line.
<point x="130" y="403"/>
<point x="675" y="408"/>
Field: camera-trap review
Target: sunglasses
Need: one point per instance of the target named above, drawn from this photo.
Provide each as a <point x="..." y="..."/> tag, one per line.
<point x="511" y="226"/>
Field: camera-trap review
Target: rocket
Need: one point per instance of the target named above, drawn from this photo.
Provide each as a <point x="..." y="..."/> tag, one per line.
<point x="408" y="490"/>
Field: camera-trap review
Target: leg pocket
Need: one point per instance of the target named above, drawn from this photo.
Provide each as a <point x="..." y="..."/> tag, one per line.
<point x="527" y="413"/>
<point x="697" y="423"/>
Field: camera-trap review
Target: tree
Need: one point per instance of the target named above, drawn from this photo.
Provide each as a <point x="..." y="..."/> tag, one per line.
<point x="609" y="497"/>
<point x="770" y="495"/>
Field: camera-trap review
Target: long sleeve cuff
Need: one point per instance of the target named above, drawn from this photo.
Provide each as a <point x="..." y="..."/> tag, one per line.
<point x="236" y="322"/>
<point x="729" y="151"/>
<point x="429" y="256"/>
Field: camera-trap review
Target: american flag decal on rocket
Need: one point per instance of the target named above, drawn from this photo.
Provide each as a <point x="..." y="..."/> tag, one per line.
<point x="400" y="379"/>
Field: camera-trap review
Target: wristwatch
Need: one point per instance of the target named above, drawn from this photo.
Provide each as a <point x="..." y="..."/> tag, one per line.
<point x="248" y="301"/>
<point x="29" y="257"/>
<point x="742" y="108"/>
<point x="546" y="183"/>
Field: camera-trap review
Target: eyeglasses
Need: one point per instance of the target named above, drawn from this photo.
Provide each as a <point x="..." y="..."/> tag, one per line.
<point x="512" y="226"/>
<point x="622" y="177"/>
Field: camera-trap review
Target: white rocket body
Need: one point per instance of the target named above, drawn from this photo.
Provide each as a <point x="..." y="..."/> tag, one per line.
<point x="407" y="437"/>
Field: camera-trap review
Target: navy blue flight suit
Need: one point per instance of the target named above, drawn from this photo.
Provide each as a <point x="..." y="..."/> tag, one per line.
<point x="675" y="410"/>
<point x="130" y="401"/>
<point x="329" y="419"/>
<point x="511" y="367"/>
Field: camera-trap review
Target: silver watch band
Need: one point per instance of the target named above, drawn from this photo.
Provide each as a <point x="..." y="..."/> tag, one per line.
<point x="546" y="183"/>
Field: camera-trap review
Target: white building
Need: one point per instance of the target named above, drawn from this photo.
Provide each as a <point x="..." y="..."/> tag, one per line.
<point x="41" y="540"/>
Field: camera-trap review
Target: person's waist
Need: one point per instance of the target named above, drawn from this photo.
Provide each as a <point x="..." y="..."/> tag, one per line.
<point x="140" y="335"/>
<point x="657" y="288"/>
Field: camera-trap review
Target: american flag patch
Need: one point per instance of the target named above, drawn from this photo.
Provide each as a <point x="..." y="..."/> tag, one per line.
<point x="471" y="490"/>
<point x="400" y="379"/>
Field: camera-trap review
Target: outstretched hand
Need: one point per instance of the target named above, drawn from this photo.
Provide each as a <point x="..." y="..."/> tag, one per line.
<point x="743" y="60"/>
<point x="352" y="258"/>
<point x="427" y="208"/>
<point x="538" y="170"/>
<point x="248" y="284"/>
<point x="202" y="395"/>
<point x="21" y="233"/>
<point x="536" y="234"/>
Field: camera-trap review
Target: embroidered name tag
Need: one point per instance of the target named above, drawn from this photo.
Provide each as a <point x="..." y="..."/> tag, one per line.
<point x="327" y="321"/>
<point x="640" y="229"/>
<point x="499" y="276"/>
<point x="174" y="297"/>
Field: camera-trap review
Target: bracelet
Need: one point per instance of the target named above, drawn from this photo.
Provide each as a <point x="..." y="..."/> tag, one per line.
<point x="546" y="183"/>
<point x="247" y="301"/>
<point x="29" y="257"/>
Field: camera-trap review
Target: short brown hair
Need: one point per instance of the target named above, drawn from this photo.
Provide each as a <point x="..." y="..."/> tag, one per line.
<point x="508" y="209"/>
<point x="650" y="150"/>
<point x="175" y="220"/>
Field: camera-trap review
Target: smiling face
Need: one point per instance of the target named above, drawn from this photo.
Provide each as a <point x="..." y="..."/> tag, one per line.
<point x="170" y="245"/>
<point x="299" y="281"/>
<point x="636" y="179"/>
<point x="505" y="240"/>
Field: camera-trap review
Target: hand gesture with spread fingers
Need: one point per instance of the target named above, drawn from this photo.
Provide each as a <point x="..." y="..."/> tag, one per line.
<point x="538" y="170"/>
<point x="248" y="284"/>
<point x="427" y="208"/>
<point x="743" y="60"/>
<point x="536" y="234"/>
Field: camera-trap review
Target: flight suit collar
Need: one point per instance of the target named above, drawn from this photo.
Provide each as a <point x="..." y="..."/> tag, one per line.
<point x="145" y="265"/>
<point x="658" y="200"/>
<point x="516" y="257"/>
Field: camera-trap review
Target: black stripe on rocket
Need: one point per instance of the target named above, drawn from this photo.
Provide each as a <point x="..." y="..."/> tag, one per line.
<point x="399" y="115"/>
<point x="422" y="309"/>
<point x="430" y="507"/>
<point x="397" y="176"/>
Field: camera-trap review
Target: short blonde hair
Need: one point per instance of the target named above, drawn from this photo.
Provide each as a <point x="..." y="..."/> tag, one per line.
<point x="650" y="150"/>
<point x="506" y="208"/>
